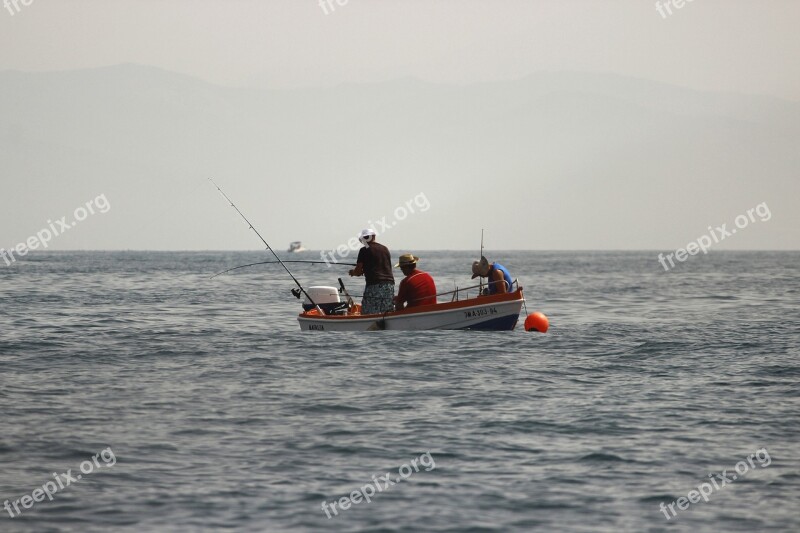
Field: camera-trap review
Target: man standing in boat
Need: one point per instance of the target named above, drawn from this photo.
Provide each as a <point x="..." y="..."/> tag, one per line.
<point x="375" y="264"/>
<point x="417" y="288"/>
<point x="499" y="276"/>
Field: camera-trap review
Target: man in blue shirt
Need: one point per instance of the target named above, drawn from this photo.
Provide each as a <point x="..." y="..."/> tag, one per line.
<point x="499" y="277"/>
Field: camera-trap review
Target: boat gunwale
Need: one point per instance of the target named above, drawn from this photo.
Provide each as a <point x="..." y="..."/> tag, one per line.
<point x="436" y="308"/>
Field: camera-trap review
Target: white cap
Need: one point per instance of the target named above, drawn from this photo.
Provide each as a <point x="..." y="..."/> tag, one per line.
<point x="367" y="236"/>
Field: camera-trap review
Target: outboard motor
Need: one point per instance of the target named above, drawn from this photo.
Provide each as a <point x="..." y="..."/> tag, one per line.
<point x="327" y="298"/>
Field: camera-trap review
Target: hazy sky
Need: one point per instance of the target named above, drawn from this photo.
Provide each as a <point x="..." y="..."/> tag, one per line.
<point x="748" y="46"/>
<point x="645" y="166"/>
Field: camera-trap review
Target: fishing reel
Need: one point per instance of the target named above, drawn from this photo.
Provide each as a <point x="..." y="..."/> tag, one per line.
<point x="296" y="293"/>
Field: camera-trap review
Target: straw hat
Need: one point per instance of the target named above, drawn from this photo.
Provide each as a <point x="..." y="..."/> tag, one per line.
<point x="480" y="268"/>
<point x="407" y="259"/>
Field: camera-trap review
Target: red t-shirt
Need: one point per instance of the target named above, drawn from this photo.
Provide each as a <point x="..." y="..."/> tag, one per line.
<point x="417" y="289"/>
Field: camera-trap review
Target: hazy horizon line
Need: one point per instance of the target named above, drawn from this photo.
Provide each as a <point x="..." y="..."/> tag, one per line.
<point x="197" y="250"/>
<point x="339" y="84"/>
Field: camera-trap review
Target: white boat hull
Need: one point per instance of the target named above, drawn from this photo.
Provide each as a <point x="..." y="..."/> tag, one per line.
<point x="494" y="313"/>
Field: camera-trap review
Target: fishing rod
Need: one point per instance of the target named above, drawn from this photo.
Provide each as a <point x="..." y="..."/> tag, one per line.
<point x="480" y="279"/>
<point x="319" y="309"/>
<point x="350" y="302"/>
<point x="275" y="263"/>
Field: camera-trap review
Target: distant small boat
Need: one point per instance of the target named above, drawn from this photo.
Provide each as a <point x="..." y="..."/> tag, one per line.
<point x="296" y="246"/>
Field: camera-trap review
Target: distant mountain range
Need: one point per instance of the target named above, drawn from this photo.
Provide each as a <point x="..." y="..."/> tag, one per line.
<point x="554" y="161"/>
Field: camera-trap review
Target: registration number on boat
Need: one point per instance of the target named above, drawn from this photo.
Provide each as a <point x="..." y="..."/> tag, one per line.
<point x="485" y="311"/>
<point x="317" y="327"/>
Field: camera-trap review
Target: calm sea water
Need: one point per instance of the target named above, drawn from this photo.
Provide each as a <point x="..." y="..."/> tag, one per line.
<point x="213" y="411"/>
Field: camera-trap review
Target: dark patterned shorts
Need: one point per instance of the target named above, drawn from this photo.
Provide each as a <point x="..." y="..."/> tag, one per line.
<point x="378" y="298"/>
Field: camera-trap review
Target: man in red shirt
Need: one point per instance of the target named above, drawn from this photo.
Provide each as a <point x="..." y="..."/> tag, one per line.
<point x="417" y="288"/>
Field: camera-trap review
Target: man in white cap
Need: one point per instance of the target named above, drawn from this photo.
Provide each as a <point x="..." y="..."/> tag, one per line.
<point x="499" y="277"/>
<point x="375" y="264"/>
<point x="417" y="288"/>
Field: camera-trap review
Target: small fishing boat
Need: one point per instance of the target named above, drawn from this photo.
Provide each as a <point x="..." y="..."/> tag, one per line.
<point x="498" y="312"/>
<point x="323" y="309"/>
<point x="295" y="246"/>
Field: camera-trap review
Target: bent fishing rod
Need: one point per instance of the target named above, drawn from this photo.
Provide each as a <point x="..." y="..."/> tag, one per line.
<point x="276" y="262"/>
<point x="319" y="309"/>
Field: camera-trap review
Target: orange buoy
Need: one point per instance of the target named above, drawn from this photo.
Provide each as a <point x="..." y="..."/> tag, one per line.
<point x="537" y="322"/>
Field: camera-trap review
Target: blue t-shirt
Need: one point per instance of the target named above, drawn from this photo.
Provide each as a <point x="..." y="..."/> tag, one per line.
<point x="506" y="276"/>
